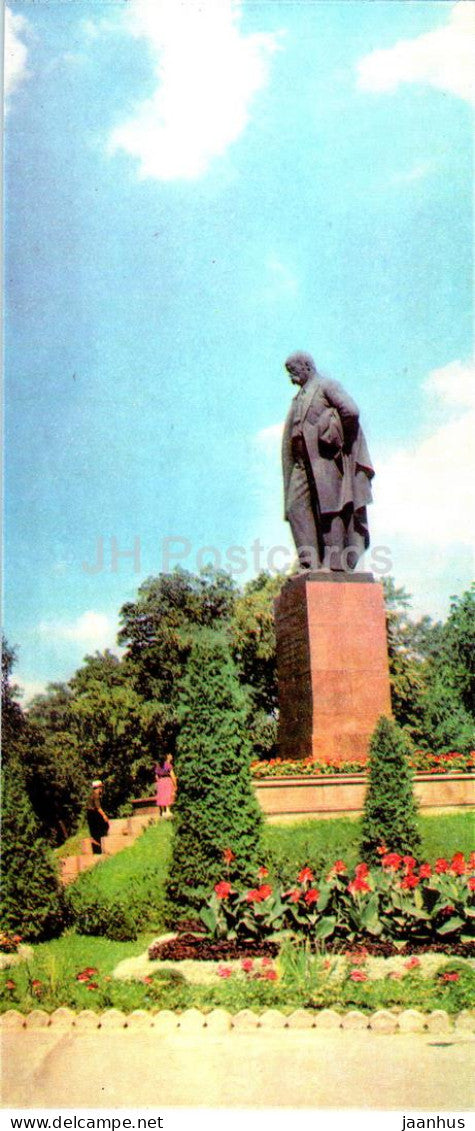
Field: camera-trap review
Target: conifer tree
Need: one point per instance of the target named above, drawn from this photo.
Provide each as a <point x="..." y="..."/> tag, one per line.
<point x="32" y="899"/>
<point x="216" y="809"/>
<point x="390" y="811"/>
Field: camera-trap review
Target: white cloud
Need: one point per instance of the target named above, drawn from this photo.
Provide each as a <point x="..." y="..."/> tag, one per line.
<point x="454" y="384"/>
<point x="280" y="281"/>
<point x="92" y="630"/>
<point x="29" y="688"/>
<point x="207" y="74"/>
<point x="16" y="52"/>
<point x="426" y="490"/>
<point x="415" y="173"/>
<point x="442" y="58"/>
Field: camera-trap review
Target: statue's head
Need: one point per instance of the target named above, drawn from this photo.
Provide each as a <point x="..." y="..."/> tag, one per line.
<point x="300" y="366"/>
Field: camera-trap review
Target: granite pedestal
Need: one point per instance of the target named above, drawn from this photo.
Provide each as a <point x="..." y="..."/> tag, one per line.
<point x="332" y="665"/>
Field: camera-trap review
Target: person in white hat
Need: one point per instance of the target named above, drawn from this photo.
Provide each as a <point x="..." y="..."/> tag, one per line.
<point x="97" y="821"/>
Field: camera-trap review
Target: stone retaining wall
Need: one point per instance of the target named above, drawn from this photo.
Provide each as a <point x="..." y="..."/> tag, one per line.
<point x="328" y="795"/>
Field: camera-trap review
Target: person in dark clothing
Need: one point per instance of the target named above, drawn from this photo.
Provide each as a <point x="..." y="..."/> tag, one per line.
<point x="96" y="818"/>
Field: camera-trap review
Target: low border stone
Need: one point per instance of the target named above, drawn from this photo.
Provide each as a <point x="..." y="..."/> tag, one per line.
<point x="63" y="1016"/>
<point x="383" y="1021"/>
<point x="327" y="1019"/>
<point x="164" y="1021"/>
<point x="139" y="1019"/>
<point x="113" y="1019"/>
<point x="12" y="1019"/>
<point x="438" y="1021"/>
<point x="301" y="1019"/>
<point x="87" y="1019"/>
<point x="218" y="1021"/>
<point x="465" y="1021"/>
<point x="411" y="1021"/>
<point x="245" y="1019"/>
<point x="272" y="1019"/>
<point x="190" y="1020"/>
<point x="37" y="1019"/>
<point x="355" y="1019"/>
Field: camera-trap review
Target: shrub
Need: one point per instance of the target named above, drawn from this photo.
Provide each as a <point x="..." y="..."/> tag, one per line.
<point x="390" y="812"/>
<point x="215" y="811"/>
<point x="32" y="899"/>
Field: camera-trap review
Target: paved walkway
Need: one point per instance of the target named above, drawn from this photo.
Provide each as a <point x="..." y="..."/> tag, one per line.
<point x="50" y="1068"/>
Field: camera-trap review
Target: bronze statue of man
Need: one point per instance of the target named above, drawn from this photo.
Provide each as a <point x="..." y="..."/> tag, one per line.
<point x="327" y="471"/>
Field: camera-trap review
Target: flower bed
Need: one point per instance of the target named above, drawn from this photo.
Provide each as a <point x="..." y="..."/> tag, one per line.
<point x="422" y="761"/>
<point x="400" y="903"/>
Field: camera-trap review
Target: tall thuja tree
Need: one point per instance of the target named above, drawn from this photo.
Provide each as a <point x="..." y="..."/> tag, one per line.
<point x="215" y="808"/>
<point x="390" y="812"/>
<point x="32" y="899"/>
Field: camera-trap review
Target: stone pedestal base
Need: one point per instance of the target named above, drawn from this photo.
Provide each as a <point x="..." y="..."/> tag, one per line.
<point x="332" y="665"/>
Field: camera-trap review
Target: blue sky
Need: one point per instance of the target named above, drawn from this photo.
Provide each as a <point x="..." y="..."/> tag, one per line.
<point x="193" y="191"/>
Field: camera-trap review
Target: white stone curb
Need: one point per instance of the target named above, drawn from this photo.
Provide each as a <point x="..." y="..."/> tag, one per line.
<point x="220" y="1021"/>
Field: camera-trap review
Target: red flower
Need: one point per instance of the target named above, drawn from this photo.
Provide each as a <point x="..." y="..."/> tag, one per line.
<point x="381" y="850"/>
<point x="293" y="895"/>
<point x="92" y="986"/>
<point x="90" y="970"/>
<point x="305" y="876"/>
<point x="222" y="889"/>
<point x="271" y="975"/>
<point x="358" y="957"/>
<point x="392" y="860"/>
<point x="338" y="868"/>
<point x="247" y="965"/>
<point x="358" y="976"/>
<point x="254" y="896"/>
<point x="409" y="861"/>
<point x="265" y="891"/>
<point x="263" y="872"/>
<point x="224" y="971"/>
<point x="471" y="883"/>
<point x="358" y="885"/>
<point x="361" y="871"/>
<point x="425" y="871"/>
<point x="412" y="963"/>
<point x="471" y="862"/>
<point x="266" y="961"/>
<point x="457" y="865"/>
<point x="228" y="856"/>
<point x="82" y="977"/>
<point x="10" y="985"/>
<point x="441" y="865"/>
<point x="450" y="976"/>
<point x="311" y="896"/>
<point x="409" y="881"/>
<point x="148" y="980"/>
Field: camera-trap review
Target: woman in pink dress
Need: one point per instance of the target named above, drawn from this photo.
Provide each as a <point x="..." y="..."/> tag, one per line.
<point x="166" y="784"/>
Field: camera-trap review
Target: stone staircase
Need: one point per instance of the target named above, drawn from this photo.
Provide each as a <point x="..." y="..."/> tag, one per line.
<point x="123" y="831"/>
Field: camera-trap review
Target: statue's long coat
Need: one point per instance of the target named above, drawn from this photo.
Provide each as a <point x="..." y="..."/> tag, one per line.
<point x="336" y="447"/>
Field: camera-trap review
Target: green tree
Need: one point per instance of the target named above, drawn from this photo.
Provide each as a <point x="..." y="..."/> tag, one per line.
<point x="409" y="646"/>
<point x="32" y="899"/>
<point x="215" y="808"/>
<point x="254" y="650"/>
<point x="390" y="811"/>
